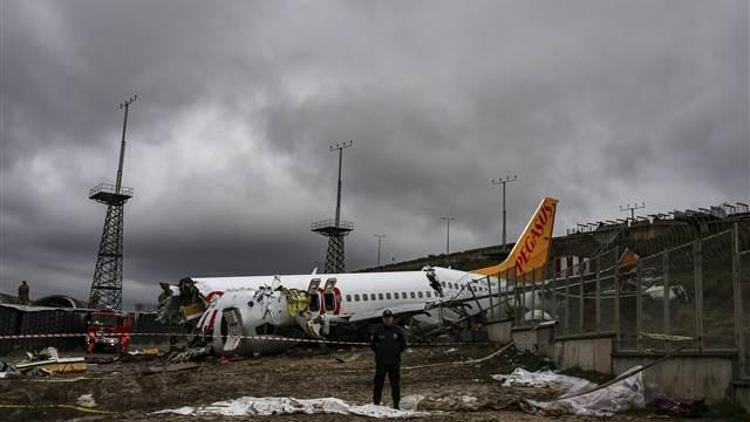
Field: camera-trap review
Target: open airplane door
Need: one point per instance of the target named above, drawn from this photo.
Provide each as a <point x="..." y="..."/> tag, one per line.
<point x="232" y="323"/>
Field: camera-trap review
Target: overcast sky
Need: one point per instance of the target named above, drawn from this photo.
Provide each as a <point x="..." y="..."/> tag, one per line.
<point x="598" y="103"/>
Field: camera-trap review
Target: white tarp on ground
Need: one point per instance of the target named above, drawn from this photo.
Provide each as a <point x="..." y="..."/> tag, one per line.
<point x="544" y="379"/>
<point x="264" y="406"/>
<point x="621" y="396"/>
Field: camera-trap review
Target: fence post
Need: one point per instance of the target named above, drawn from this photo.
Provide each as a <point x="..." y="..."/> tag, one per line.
<point x="665" y="276"/>
<point x="698" y="269"/>
<point x="544" y="289"/>
<point x="533" y="294"/>
<point x="567" y="299"/>
<point x="580" y="290"/>
<point x="493" y="311"/>
<point x="638" y="304"/>
<point x="737" y="292"/>
<point x="616" y="276"/>
<point x="517" y="299"/>
<point x="598" y="298"/>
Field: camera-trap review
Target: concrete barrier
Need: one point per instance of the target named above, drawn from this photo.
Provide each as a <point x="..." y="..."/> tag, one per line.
<point x="741" y="392"/>
<point x="705" y="376"/>
<point x="499" y="331"/>
<point x="536" y="340"/>
<point x="591" y="353"/>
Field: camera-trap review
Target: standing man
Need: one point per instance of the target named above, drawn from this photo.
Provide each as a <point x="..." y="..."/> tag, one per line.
<point x="387" y="342"/>
<point x="23" y="293"/>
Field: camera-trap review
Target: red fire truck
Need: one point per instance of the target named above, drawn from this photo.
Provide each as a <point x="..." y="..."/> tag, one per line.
<point x="108" y="330"/>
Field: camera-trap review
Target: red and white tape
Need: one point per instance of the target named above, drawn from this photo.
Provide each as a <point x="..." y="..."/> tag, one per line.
<point x="259" y="338"/>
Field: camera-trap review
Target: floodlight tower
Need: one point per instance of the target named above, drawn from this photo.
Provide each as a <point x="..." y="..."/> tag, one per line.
<point x="502" y="182"/>
<point x="447" y="237"/>
<point x="106" y="288"/>
<point x="335" y="229"/>
<point x="633" y="208"/>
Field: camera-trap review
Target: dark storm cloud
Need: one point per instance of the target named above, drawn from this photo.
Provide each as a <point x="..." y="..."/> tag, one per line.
<point x="596" y="103"/>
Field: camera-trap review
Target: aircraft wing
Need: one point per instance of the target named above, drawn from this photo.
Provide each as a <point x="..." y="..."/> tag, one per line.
<point x="407" y="309"/>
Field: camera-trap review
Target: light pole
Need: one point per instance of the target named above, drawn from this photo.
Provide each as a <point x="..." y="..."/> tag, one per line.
<point x="447" y="235"/>
<point x="380" y="237"/>
<point x="502" y="182"/>
<point x="340" y="148"/>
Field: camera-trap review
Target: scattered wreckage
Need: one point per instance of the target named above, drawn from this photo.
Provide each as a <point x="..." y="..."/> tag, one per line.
<point x="44" y="362"/>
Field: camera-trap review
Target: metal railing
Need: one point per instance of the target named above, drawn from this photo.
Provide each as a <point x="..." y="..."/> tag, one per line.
<point x="331" y="224"/>
<point x="699" y="289"/>
<point x="111" y="189"/>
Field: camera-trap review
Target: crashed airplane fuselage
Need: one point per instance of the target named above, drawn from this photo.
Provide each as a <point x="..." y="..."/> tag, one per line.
<point x="234" y="311"/>
<point x="331" y="305"/>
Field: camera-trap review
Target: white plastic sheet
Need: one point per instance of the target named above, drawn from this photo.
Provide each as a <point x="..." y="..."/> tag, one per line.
<point x="544" y="379"/>
<point x="619" y="397"/>
<point x="265" y="406"/>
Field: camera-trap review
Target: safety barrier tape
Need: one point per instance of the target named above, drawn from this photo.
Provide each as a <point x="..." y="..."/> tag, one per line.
<point x="259" y="338"/>
<point x="64" y="406"/>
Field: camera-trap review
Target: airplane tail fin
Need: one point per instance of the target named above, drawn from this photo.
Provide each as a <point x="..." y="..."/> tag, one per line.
<point x="531" y="251"/>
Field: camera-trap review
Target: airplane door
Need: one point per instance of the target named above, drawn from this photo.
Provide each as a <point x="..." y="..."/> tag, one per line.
<point x="314" y="294"/>
<point x="331" y="303"/>
<point x="232" y="323"/>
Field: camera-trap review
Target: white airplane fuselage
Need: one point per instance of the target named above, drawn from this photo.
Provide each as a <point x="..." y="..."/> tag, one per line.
<point x="256" y="305"/>
<point x="242" y="308"/>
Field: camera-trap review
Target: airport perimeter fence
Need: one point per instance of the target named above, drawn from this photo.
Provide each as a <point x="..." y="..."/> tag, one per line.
<point x="698" y="291"/>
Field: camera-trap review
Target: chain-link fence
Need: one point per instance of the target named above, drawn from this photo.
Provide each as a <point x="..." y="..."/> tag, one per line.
<point x="699" y="290"/>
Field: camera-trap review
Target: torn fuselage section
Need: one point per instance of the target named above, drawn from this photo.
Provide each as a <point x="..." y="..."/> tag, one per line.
<point x="319" y="307"/>
<point x="180" y="304"/>
<point x="261" y="319"/>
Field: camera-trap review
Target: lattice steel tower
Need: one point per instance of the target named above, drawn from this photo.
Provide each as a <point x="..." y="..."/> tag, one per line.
<point x="335" y="229"/>
<point x="106" y="288"/>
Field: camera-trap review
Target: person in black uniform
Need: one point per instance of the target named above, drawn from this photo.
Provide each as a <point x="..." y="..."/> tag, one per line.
<point x="387" y="342"/>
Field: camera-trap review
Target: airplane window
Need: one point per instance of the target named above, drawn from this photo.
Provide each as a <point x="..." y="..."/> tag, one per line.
<point x="403" y="295"/>
<point x="364" y="297"/>
<point x="356" y="298"/>
<point x="388" y="296"/>
<point x="348" y="298"/>
<point x="443" y="284"/>
<point x="419" y="294"/>
<point x="395" y="295"/>
<point x="412" y="295"/>
<point x="380" y="296"/>
<point x="372" y="296"/>
<point x="429" y="293"/>
<point x="450" y="285"/>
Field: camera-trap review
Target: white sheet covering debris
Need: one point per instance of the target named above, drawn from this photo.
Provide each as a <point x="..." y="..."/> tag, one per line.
<point x="545" y="379"/>
<point x="265" y="406"/>
<point x="621" y="396"/>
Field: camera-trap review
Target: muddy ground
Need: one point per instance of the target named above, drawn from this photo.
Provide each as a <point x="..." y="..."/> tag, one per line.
<point x="127" y="387"/>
